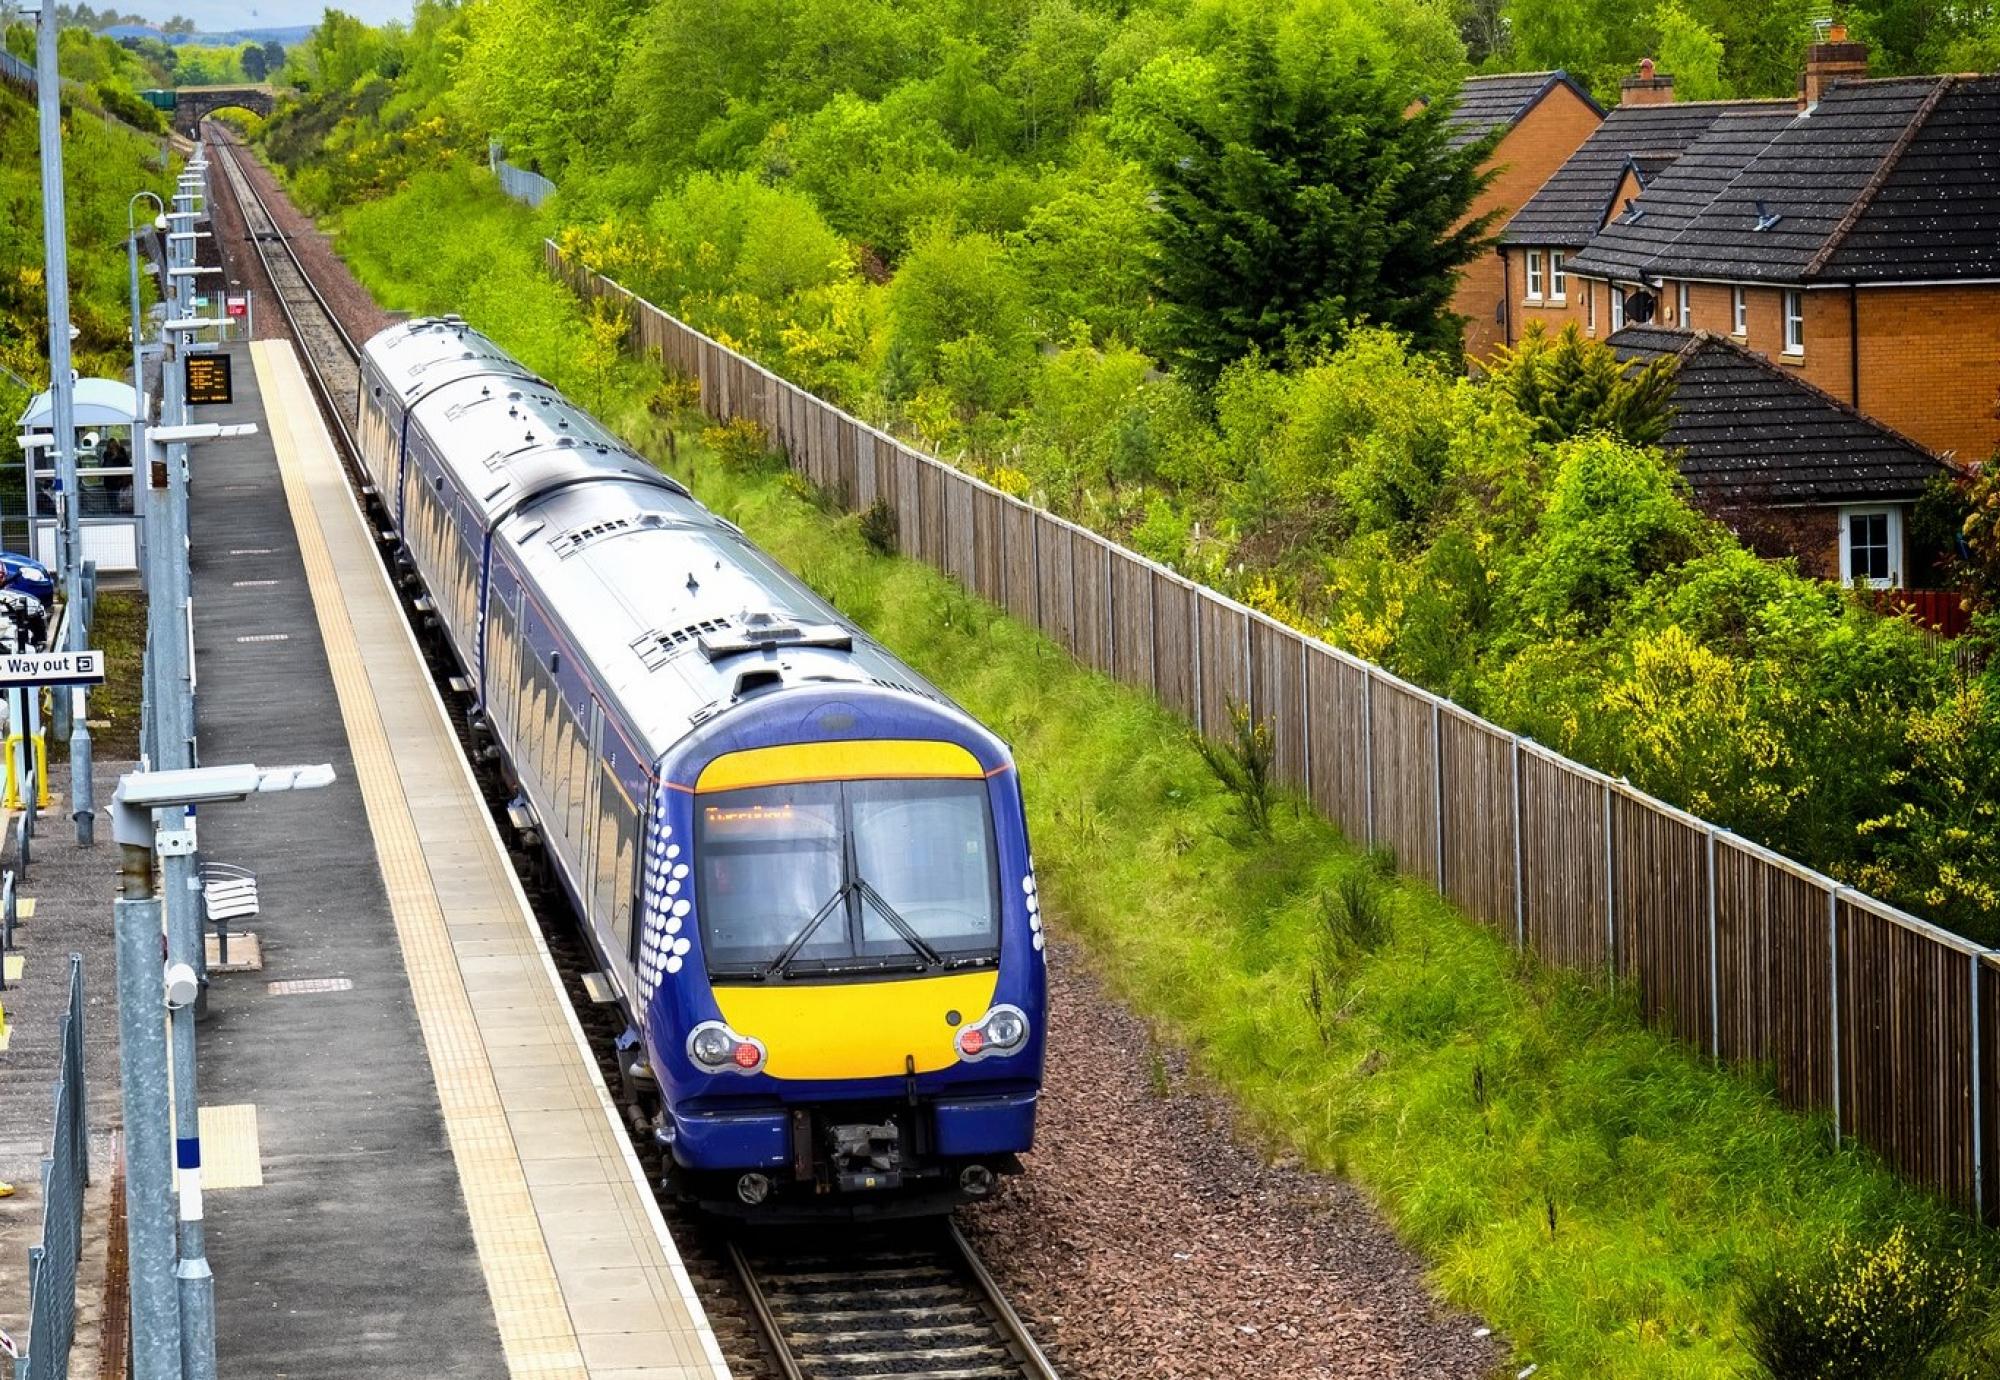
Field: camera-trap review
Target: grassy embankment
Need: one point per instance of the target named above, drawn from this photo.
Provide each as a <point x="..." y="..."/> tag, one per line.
<point x="1596" y="1192"/>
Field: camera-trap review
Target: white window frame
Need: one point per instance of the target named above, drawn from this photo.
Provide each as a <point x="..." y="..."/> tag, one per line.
<point x="1795" y="321"/>
<point x="1534" y="283"/>
<point x="1681" y="306"/>
<point x="1590" y="302"/>
<point x="1739" y="302"/>
<point x="1894" y="579"/>
<point x="1617" y="308"/>
<point x="1558" y="279"/>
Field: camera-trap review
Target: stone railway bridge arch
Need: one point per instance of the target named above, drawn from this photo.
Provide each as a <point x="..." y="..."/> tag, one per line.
<point x="192" y="104"/>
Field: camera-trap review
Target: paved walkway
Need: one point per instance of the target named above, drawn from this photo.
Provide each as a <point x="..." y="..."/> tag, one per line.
<point x="441" y="1187"/>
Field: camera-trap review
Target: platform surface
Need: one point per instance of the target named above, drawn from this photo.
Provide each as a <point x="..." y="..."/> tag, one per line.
<point x="435" y="1182"/>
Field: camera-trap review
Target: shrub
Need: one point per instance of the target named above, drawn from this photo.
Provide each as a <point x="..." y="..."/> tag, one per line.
<point x="1356" y="912"/>
<point x="1245" y="765"/>
<point x="738" y="442"/>
<point x="1859" y="1311"/>
<point x="878" y="528"/>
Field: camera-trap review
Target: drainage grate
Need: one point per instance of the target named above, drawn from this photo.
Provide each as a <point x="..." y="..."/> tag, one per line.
<point x="297" y="987"/>
<point x="253" y="551"/>
<point x="251" y="584"/>
<point x="266" y="637"/>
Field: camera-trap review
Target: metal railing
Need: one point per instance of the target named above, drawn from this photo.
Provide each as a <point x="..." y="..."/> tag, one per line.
<point x="52" y="1266"/>
<point x="519" y="183"/>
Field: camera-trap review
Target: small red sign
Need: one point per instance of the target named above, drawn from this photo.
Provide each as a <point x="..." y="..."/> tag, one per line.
<point x="238" y="306"/>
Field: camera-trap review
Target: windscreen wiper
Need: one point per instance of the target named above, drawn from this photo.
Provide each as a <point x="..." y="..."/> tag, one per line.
<point x="778" y="966"/>
<point x="899" y="924"/>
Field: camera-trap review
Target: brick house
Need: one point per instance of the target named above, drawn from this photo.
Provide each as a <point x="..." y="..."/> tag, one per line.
<point x="1795" y="470"/>
<point x="1853" y="240"/>
<point x="1545" y="117"/>
<point x="1636" y="145"/>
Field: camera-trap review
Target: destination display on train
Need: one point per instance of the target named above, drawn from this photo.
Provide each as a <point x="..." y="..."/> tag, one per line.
<point x="208" y="380"/>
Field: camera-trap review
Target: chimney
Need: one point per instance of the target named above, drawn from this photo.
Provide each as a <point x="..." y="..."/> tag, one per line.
<point x="1829" y="61"/>
<point x="1646" y="88"/>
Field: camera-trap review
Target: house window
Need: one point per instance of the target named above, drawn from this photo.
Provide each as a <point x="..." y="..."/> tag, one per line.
<point x="1534" y="275"/>
<point x="1590" y="303"/>
<point x="1617" y="307"/>
<point x="1795" y="322"/>
<point x="1871" y="546"/>
<point x="1558" y="280"/>
<point x="1681" y="307"/>
<point x="1740" y="304"/>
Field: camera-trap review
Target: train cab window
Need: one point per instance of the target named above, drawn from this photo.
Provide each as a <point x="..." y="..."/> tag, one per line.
<point x="847" y="877"/>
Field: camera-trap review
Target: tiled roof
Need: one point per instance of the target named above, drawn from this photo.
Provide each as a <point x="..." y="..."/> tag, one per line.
<point x="1627" y="246"/>
<point x="1571" y="205"/>
<point x="1802" y="187"/>
<point x="1937" y="212"/>
<point x="1884" y="181"/>
<point x="1748" y="431"/>
<point x="1487" y="103"/>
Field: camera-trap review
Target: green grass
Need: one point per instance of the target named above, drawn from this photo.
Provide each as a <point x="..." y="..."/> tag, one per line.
<point x="1597" y="1192"/>
<point x="119" y="628"/>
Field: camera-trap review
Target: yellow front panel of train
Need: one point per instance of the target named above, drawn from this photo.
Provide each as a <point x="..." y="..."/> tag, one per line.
<point x="858" y="1029"/>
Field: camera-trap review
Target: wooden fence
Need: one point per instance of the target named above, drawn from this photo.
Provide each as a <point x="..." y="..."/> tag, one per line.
<point x="1879" y="1017"/>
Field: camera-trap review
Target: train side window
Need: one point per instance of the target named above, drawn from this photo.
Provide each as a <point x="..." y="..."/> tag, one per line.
<point x="579" y="789"/>
<point x="557" y="766"/>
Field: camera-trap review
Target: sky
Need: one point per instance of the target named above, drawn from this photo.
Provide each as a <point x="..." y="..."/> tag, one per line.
<point x="256" y="14"/>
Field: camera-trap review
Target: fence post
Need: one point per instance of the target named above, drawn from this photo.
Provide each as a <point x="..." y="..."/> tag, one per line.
<point x="1833" y="995"/>
<point x="1368" y="751"/>
<point x="1437" y="792"/>
<point x="1194" y="645"/>
<point x="1714" y="964"/>
<point x="1520" y="894"/>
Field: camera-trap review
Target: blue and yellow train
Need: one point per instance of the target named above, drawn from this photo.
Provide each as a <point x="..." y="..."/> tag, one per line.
<point x="805" y="872"/>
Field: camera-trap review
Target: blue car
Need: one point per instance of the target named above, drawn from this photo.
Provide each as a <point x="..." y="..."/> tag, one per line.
<point x="29" y="576"/>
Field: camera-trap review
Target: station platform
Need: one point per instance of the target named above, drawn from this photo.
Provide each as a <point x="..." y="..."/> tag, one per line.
<point x="411" y="1167"/>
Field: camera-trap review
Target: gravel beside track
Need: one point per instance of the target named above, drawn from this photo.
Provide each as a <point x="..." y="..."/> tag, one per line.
<point x="1147" y="1238"/>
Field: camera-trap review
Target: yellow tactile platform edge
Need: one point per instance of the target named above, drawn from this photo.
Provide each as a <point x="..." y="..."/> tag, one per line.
<point x="532" y="1315"/>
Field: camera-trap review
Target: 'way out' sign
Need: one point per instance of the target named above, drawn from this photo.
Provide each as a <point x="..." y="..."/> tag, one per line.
<point x="52" y="668"/>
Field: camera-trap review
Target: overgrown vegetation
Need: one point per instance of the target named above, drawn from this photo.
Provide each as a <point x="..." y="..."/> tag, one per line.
<point x="1173" y="271"/>
<point x="1862" y="1311"/>
<point x="103" y="166"/>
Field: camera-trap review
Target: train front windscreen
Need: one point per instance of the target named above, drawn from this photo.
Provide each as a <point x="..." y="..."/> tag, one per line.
<point x="826" y="878"/>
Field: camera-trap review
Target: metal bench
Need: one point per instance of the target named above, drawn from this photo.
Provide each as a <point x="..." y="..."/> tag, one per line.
<point x="228" y="893"/>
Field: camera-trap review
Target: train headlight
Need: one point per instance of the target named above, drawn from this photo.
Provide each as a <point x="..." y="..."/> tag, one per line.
<point x="716" y="1048"/>
<point x="1003" y="1030"/>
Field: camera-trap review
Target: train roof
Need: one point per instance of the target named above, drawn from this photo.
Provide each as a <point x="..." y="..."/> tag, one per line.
<point x="506" y="439"/>
<point x="414" y="358"/>
<point x="678" y="612"/>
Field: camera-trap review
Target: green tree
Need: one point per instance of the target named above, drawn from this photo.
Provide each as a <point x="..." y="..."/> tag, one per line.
<point x="1570" y="385"/>
<point x="1691" y="52"/>
<point x="1305" y="202"/>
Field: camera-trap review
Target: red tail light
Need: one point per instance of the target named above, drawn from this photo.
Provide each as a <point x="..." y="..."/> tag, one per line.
<point x="971" y="1040"/>
<point x="747" y="1056"/>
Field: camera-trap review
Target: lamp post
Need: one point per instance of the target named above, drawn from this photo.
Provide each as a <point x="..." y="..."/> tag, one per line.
<point x="173" y="1304"/>
<point x="149" y="533"/>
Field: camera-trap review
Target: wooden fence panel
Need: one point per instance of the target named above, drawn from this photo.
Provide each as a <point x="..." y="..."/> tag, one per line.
<point x="1662" y="891"/>
<point x="1405" y="777"/>
<point x="958" y="535"/>
<point x="989" y="545"/>
<point x="1336" y="749"/>
<point x="1565" y="886"/>
<point x="1906" y="1052"/>
<point x="1090" y="567"/>
<point x="1774" y="980"/>
<point x="1133" y="649"/>
<point x="882" y="457"/>
<point x="930" y="509"/>
<point x="1478" y="818"/>
<point x="1018" y="529"/>
<point x="1055" y="585"/>
<point x="909" y="502"/>
<point x="1989" y="1088"/>
<point x="1278" y="698"/>
<point x="1174" y="644"/>
<point x="1224" y="663"/>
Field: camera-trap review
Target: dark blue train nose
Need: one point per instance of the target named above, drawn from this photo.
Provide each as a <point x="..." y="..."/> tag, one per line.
<point x="29" y="576"/>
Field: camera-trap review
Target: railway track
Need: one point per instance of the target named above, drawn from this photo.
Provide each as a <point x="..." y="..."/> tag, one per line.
<point x="904" y="1303"/>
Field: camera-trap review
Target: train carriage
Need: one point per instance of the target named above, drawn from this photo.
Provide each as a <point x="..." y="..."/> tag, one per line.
<point x="805" y="872"/>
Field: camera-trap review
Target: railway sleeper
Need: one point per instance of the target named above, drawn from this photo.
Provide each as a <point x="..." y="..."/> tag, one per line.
<point x="931" y="1358"/>
<point x="968" y="1331"/>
